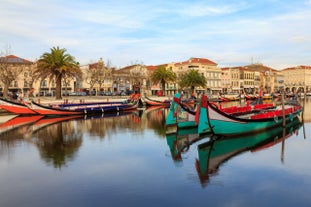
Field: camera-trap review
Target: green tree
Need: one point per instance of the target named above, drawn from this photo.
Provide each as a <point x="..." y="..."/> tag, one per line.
<point x="163" y="75"/>
<point x="58" y="64"/>
<point x="192" y="78"/>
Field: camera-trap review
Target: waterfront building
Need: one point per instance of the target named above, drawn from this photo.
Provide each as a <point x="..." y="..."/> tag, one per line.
<point x="251" y="78"/>
<point x="206" y="67"/>
<point x="100" y="79"/>
<point x="231" y="80"/>
<point x="19" y="73"/>
<point x="16" y="72"/>
<point x="297" y="78"/>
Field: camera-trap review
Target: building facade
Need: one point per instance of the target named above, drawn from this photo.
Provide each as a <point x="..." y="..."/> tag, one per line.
<point x="206" y="67"/>
<point x="297" y="78"/>
<point x="98" y="79"/>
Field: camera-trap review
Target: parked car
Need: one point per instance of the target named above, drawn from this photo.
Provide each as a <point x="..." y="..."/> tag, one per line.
<point x="93" y="93"/>
<point x="100" y="93"/>
<point x="108" y="93"/>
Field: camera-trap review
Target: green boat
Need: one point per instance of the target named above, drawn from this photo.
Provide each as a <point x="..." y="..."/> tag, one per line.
<point x="222" y="123"/>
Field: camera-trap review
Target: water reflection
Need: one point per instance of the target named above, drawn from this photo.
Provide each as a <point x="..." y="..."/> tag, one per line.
<point x="155" y="118"/>
<point x="58" y="139"/>
<point x="213" y="153"/>
<point x="181" y="142"/>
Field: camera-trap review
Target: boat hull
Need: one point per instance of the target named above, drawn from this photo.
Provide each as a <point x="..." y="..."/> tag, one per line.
<point x="224" y="124"/>
<point x="50" y="111"/>
<point x="16" y="108"/>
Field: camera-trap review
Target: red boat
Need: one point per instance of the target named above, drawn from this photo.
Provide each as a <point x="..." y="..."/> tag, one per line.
<point x="151" y="102"/>
<point x="15" y="107"/>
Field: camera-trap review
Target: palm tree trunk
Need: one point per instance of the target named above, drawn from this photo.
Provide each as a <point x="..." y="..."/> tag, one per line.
<point x="163" y="87"/>
<point x="58" y="89"/>
<point x="192" y="92"/>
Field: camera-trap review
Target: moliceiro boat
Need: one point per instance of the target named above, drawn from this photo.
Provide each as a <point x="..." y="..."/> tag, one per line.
<point x="83" y="109"/>
<point x="152" y="102"/>
<point x="222" y="123"/>
<point x="182" y="115"/>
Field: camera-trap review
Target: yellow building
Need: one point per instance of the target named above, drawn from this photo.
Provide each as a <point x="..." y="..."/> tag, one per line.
<point x="251" y="78"/>
<point x="206" y="67"/>
<point x="296" y="78"/>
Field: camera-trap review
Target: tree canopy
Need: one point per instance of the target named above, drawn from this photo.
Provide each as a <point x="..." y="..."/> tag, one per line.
<point x="163" y="75"/>
<point x="58" y="65"/>
<point x="192" y="78"/>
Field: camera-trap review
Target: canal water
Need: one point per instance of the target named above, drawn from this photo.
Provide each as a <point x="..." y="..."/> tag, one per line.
<point x="128" y="160"/>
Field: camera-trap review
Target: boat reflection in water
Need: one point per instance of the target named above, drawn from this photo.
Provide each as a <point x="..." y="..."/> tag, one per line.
<point x="58" y="139"/>
<point x="13" y="122"/>
<point x="181" y="141"/>
<point x="213" y="153"/>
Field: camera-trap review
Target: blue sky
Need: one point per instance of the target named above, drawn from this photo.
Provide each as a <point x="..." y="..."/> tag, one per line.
<point x="275" y="33"/>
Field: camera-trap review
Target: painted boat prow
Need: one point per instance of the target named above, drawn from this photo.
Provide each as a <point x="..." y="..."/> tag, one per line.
<point x="15" y="107"/>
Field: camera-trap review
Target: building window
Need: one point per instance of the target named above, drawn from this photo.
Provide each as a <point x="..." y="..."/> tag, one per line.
<point x="26" y="85"/>
<point x="44" y="83"/>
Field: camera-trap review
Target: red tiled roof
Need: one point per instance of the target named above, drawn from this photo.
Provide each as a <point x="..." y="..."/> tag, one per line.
<point x="201" y="60"/>
<point x="14" y="59"/>
<point x="93" y="65"/>
<point x="196" y="60"/>
<point x="151" y="67"/>
<point x="298" y="67"/>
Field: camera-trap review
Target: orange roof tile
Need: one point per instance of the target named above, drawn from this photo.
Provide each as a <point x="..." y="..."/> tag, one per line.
<point x="14" y="59"/>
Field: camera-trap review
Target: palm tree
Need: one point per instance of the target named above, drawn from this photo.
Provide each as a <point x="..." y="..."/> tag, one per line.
<point x="163" y="75"/>
<point x="57" y="64"/>
<point x="192" y="79"/>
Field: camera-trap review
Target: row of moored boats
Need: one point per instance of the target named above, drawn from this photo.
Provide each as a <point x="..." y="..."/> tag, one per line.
<point x="209" y="117"/>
